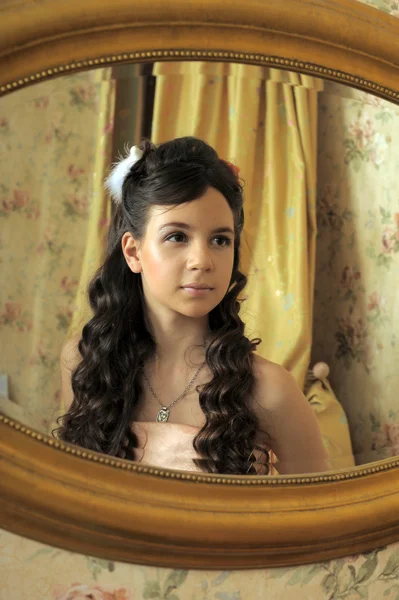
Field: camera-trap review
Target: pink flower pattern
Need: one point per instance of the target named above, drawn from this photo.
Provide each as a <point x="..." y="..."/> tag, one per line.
<point x="386" y="439"/>
<point x="68" y="284"/>
<point x="365" y="143"/>
<point x="348" y="277"/>
<point x="74" y="171"/>
<point x="78" y="204"/>
<point x="91" y="592"/>
<point x="42" y="102"/>
<point x="376" y="302"/>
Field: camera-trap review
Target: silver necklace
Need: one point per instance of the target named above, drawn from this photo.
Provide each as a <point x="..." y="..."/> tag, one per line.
<point x="163" y="414"/>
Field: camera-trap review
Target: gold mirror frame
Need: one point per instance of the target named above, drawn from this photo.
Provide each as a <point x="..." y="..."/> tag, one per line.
<point x="93" y="504"/>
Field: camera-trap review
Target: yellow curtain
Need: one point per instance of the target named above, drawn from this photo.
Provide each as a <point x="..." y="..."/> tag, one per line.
<point x="265" y="121"/>
<point x="100" y="205"/>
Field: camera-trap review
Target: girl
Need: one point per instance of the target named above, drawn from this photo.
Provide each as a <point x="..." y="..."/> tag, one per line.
<point x="163" y="373"/>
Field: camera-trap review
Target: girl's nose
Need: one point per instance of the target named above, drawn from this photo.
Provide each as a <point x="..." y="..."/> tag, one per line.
<point x="200" y="257"/>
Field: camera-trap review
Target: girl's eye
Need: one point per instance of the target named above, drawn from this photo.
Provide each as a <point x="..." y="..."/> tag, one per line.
<point x="226" y="241"/>
<point x="175" y="235"/>
<point x="223" y="240"/>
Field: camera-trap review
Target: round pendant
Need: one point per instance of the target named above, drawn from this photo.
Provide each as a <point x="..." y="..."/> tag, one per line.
<point x="163" y="415"/>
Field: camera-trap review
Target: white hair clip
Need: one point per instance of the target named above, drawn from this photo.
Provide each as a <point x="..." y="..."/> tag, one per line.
<point x="115" y="180"/>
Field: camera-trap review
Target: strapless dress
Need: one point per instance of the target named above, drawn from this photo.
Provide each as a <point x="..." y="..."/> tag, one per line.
<point x="170" y="446"/>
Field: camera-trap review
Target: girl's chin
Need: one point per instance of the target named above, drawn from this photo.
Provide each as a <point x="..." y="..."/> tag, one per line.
<point x="196" y="309"/>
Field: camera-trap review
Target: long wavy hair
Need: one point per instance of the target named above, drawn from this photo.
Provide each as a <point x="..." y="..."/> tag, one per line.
<point x="116" y="343"/>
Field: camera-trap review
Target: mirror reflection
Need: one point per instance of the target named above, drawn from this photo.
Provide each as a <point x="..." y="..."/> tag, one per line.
<point x="319" y="248"/>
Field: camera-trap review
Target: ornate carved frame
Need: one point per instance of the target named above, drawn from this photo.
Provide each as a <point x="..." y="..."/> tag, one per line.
<point x="89" y="503"/>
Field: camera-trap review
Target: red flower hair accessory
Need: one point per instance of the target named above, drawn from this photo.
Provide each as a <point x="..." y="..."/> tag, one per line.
<point x="234" y="168"/>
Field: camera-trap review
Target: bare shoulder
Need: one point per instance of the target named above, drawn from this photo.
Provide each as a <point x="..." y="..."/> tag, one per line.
<point x="274" y="384"/>
<point x="70" y="355"/>
<point x="286" y="415"/>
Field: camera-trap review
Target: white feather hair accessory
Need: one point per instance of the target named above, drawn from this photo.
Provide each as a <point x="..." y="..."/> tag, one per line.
<point x="115" y="179"/>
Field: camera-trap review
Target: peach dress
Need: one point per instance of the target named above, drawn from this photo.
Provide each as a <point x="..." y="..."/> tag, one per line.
<point x="170" y="446"/>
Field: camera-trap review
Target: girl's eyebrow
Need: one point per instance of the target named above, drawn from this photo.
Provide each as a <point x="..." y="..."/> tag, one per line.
<point x="186" y="226"/>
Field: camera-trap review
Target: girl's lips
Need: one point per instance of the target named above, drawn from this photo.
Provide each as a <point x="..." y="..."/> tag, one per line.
<point x="197" y="285"/>
<point x="196" y="291"/>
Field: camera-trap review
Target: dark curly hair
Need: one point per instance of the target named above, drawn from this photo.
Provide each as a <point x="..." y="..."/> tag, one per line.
<point x="116" y="343"/>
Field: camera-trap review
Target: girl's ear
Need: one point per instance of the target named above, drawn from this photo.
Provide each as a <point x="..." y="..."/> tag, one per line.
<point x="131" y="252"/>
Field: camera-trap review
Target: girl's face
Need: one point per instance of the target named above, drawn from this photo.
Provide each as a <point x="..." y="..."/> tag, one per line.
<point x="191" y="243"/>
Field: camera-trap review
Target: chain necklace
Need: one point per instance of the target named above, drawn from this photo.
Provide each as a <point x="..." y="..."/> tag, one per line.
<point x="163" y="414"/>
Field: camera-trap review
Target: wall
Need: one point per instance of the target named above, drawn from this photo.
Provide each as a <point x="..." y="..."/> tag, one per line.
<point x="39" y="572"/>
<point x="33" y="571"/>
<point x="355" y="323"/>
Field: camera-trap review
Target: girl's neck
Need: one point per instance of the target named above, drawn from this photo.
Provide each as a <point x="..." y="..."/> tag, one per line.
<point x="167" y="364"/>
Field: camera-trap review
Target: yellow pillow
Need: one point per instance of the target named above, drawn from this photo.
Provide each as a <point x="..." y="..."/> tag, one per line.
<point x="332" y="421"/>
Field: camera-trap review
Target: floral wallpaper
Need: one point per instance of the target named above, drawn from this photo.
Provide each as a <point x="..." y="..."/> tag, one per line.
<point x="357" y="260"/>
<point x="389" y="6"/>
<point x="38" y="572"/>
<point x="48" y="138"/>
